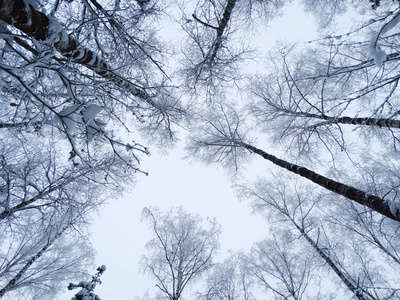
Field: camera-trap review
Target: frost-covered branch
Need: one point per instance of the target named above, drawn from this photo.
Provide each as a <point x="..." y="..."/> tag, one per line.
<point x="377" y="53"/>
<point x="48" y="30"/>
<point x="11" y="284"/>
<point x="180" y="251"/>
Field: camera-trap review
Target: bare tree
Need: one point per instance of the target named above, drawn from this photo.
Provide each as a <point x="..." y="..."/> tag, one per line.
<point x="77" y="87"/>
<point x="38" y="178"/>
<point x="376" y="231"/>
<point x="277" y="265"/>
<point x="220" y="138"/>
<point x="45" y="206"/>
<point x="39" y="255"/>
<point x="74" y="75"/>
<point x="211" y="58"/>
<point x="210" y="19"/>
<point x="228" y="281"/>
<point x="299" y="120"/>
<point x="180" y="251"/>
<point x="298" y="207"/>
<point x="379" y="176"/>
<point x="314" y="99"/>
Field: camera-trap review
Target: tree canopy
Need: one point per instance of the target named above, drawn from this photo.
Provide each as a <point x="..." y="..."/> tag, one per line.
<point x="89" y="87"/>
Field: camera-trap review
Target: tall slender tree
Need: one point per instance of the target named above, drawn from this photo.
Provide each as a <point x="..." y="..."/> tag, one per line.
<point x="296" y="206"/>
<point x="337" y="86"/>
<point x="220" y="138"/>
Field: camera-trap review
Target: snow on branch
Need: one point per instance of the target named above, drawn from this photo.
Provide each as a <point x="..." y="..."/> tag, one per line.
<point x="87" y="288"/>
<point x="377" y="53"/>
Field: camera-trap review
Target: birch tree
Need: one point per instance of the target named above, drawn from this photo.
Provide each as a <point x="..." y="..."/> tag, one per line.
<point x="39" y="255"/>
<point x="295" y="207"/>
<point x="220" y="139"/>
<point x="317" y="98"/>
<point x="180" y="251"/>
<point x="46" y="204"/>
<point x="74" y="76"/>
<point x="277" y="265"/>
<point x="216" y="45"/>
<point x="75" y="85"/>
<point x="37" y="178"/>
<point x="308" y="113"/>
<point x="298" y="207"/>
<point x="228" y="280"/>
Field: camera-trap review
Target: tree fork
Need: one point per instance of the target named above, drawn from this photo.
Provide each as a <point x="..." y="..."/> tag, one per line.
<point x="222" y="26"/>
<point x="373" y="202"/>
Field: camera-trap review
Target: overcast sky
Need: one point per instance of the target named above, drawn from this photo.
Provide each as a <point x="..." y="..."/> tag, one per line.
<point x="119" y="236"/>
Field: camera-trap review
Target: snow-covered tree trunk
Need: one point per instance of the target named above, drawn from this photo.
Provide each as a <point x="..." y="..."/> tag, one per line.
<point x="47" y="29"/>
<point x="374" y="202"/>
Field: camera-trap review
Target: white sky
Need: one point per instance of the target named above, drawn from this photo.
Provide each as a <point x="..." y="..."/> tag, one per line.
<point x="119" y="236"/>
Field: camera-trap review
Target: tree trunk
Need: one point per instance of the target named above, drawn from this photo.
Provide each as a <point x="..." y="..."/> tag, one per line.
<point x="364" y="121"/>
<point x="37" y="25"/>
<point x="13" y="125"/>
<point x="356" y="291"/>
<point x="221" y="28"/>
<point x="11" y="284"/>
<point x="212" y="53"/>
<point x="374" y="202"/>
<point x="390" y="123"/>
